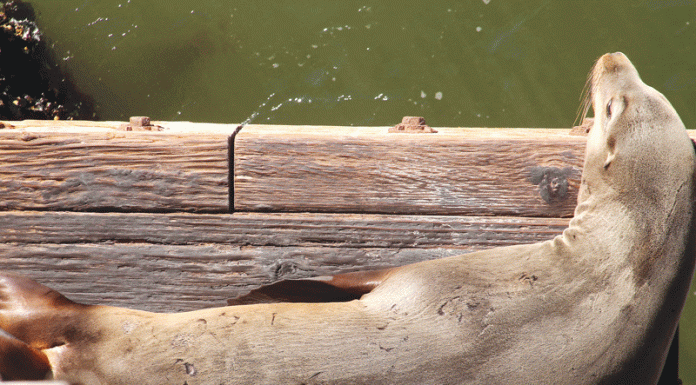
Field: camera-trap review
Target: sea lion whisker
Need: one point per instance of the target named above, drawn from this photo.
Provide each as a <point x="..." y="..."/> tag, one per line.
<point x="586" y="96"/>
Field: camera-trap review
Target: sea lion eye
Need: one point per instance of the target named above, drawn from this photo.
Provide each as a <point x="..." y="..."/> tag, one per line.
<point x="609" y="109"/>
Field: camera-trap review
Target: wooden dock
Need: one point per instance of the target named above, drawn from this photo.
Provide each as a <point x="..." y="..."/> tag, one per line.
<point x="178" y="216"/>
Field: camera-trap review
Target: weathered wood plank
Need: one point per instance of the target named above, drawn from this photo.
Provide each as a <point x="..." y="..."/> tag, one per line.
<point x="102" y="169"/>
<point x="179" y="278"/>
<point x="267" y="229"/>
<point x="455" y="171"/>
<point x="91" y="166"/>
<point x="175" y="262"/>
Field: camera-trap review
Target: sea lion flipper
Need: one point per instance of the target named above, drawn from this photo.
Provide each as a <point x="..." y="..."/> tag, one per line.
<point x="336" y="288"/>
<point x="19" y="361"/>
<point x="360" y="282"/>
<point x="34" y="313"/>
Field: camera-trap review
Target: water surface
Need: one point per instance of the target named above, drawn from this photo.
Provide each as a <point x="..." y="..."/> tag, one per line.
<point x="474" y="63"/>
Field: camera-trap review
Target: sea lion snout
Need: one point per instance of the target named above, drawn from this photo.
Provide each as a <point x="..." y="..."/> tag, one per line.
<point x="616" y="69"/>
<point x="613" y="62"/>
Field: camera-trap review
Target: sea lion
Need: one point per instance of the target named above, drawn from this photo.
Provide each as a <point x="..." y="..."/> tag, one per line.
<point x="598" y="304"/>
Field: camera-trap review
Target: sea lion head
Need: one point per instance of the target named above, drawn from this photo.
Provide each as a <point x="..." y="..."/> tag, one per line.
<point x="637" y="148"/>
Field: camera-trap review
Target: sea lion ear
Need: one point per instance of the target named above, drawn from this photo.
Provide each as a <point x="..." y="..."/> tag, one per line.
<point x="610" y="158"/>
<point x="611" y="151"/>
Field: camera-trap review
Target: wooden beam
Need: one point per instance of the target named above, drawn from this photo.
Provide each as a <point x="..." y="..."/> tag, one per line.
<point x="462" y="171"/>
<point x="95" y="166"/>
<point x="291" y="229"/>
<point x="176" y="262"/>
<point x="56" y="166"/>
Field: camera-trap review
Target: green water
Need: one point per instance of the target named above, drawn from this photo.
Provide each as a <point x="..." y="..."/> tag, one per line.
<point x="492" y="63"/>
<point x="457" y="63"/>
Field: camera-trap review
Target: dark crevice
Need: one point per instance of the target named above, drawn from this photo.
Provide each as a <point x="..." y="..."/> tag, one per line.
<point x="230" y="167"/>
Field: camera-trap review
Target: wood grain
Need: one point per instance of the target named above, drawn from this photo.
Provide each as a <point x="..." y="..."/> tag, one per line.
<point x="266" y="229"/>
<point x="113" y="171"/>
<point x="455" y="171"/>
<point x="180" y="278"/>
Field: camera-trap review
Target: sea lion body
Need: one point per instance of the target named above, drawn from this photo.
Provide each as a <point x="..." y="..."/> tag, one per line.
<point x="597" y="304"/>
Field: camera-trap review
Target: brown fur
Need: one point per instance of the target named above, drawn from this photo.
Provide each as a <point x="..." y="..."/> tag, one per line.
<point x="20" y="361"/>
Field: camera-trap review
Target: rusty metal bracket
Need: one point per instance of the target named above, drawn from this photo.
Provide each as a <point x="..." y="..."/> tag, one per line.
<point x="140" y="123"/>
<point x="412" y="124"/>
<point x="584" y="128"/>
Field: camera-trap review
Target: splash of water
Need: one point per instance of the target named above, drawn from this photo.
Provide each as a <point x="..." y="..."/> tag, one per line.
<point x="257" y="111"/>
